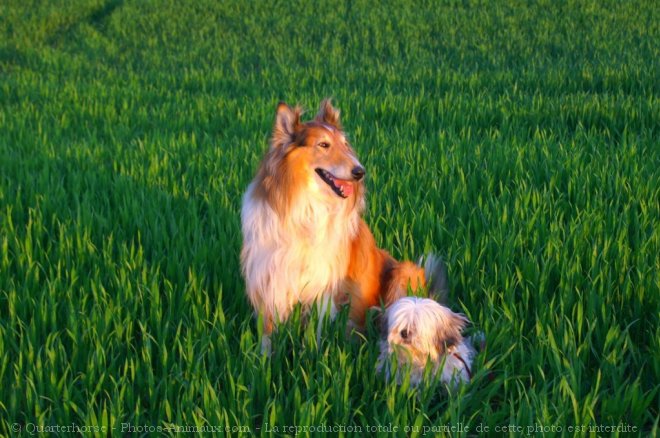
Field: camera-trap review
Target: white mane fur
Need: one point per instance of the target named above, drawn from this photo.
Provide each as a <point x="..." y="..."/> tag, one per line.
<point x="297" y="258"/>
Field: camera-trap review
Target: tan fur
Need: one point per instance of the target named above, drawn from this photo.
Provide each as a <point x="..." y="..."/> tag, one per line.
<point x="374" y="277"/>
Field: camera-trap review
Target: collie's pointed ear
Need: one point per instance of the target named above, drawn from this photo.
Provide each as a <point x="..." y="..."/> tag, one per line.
<point x="287" y="120"/>
<point x="328" y="114"/>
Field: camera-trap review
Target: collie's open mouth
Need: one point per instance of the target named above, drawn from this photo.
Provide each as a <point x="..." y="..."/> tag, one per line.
<point x="341" y="187"/>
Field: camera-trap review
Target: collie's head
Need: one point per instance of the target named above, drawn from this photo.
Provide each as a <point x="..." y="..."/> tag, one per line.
<point x="312" y="159"/>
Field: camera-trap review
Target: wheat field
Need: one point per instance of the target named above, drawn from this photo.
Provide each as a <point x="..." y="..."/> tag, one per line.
<point x="519" y="140"/>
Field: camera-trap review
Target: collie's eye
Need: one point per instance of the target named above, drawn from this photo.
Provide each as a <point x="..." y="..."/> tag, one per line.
<point x="324" y="145"/>
<point x="404" y="334"/>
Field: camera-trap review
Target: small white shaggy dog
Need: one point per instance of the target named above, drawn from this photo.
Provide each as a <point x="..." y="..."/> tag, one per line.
<point x="418" y="330"/>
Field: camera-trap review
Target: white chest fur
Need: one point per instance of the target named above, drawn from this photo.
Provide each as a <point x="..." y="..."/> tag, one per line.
<point x="297" y="258"/>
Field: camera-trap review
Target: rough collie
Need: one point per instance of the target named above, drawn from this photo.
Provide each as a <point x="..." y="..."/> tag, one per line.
<point x="304" y="240"/>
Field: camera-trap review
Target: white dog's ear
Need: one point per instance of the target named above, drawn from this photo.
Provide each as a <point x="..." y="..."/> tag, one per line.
<point x="287" y="121"/>
<point x="451" y="332"/>
<point x="328" y="114"/>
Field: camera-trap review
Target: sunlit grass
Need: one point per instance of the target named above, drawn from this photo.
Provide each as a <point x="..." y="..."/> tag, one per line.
<point x="519" y="141"/>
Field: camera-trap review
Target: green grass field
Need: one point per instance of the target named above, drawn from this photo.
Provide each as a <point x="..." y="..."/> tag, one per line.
<point x="520" y="140"/>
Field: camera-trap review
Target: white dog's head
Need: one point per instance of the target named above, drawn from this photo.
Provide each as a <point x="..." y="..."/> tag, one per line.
<point x="418" y="330"/>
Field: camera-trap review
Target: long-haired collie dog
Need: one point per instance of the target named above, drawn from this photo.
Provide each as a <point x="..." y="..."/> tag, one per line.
<point x="304" y="240"/>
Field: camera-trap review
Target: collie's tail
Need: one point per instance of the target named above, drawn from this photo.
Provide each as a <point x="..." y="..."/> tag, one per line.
<point x="435" y="273"/>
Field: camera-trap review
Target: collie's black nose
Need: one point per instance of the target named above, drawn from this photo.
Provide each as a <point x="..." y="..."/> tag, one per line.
<point x="358" y="173"/>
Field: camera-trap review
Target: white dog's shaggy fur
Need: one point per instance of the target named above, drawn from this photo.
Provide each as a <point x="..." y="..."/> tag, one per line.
<point x="418" y="330"/>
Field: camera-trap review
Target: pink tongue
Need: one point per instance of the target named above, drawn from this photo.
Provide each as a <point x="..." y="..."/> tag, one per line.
<point x="346" y="186"/>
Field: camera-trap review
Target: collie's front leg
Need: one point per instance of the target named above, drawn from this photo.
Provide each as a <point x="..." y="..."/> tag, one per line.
<point x="265" y="327"/>
<point x="325" y="304"/>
